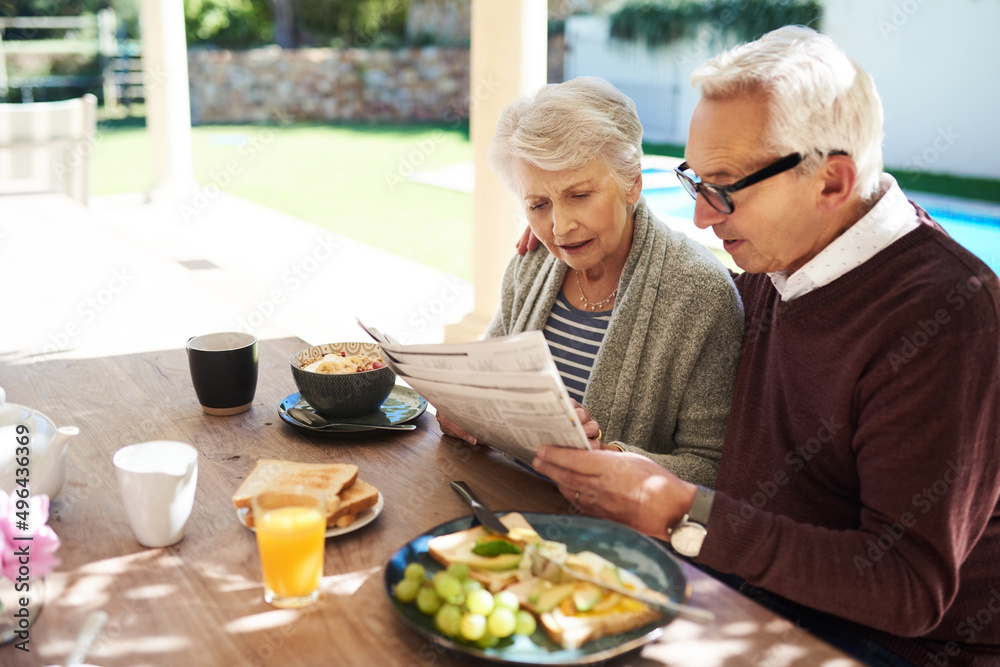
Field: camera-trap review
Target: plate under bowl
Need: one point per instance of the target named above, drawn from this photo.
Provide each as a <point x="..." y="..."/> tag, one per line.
<point x="402" y="405"/>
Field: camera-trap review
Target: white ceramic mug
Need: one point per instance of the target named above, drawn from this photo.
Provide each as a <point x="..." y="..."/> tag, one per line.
<point x="157" y="481"/>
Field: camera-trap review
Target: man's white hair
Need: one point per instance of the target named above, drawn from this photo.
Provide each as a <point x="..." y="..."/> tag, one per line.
<point x="568" y="125"/>
<point x="820" y="101"/>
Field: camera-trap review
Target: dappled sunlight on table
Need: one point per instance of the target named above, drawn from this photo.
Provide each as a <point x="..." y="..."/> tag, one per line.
<point x="104" y="648"/>
<point x="346" y="584"/>
<point x="229" y="582"/>
<point x="717" y="653"/>
<point x="263" y="621"/>
<point x="753" y="639"/>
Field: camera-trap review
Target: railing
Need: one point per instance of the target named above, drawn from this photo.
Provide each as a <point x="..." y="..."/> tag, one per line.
<point x="97" y="38"/>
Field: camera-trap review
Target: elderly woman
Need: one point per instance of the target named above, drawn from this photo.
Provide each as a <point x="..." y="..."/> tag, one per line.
<point x="644" y="324"/>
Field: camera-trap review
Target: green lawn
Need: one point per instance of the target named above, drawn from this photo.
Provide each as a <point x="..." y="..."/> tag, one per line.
<point x="352" y="179"/>
<point x="349" y="179"/>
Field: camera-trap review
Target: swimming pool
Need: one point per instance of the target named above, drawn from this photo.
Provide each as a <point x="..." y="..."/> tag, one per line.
<point x="975" y="227"/>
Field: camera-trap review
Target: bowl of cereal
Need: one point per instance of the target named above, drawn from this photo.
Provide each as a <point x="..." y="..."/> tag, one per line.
<point x="342" y="379"/>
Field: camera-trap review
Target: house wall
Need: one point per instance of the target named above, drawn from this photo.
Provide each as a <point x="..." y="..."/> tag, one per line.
<point x="934" y="64"/>
<point x="656" y="79"/>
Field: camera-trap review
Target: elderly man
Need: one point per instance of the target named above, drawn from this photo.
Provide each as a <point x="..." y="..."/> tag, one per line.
<point x="860" y="475"/>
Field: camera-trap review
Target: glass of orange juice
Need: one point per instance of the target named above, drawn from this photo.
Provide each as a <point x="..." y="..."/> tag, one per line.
<point x="291" y="535"/>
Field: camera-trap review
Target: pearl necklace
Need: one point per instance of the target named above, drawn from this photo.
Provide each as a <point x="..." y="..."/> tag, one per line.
<point x="593" y="305"/>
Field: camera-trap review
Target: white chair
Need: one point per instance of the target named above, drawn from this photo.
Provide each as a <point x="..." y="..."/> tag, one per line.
<point x="47" y="147"/>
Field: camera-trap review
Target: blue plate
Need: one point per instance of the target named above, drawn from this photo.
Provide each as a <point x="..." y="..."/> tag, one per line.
<point x="402" y="405"/>
<point x="619" y="544"/>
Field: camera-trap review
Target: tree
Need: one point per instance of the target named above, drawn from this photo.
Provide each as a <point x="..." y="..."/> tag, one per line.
<point x="232" y="24"/>
<point x="353" y="22"/>
<point x="285" y="33"/>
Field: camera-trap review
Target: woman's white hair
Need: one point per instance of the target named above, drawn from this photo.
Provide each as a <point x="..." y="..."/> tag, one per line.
<point x="820" y="101"/>
<point x="568" y="125"/>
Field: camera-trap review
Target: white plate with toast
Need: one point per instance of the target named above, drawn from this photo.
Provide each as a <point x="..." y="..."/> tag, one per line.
<point x="352" y="503"/>
<point x="364" y="518"/>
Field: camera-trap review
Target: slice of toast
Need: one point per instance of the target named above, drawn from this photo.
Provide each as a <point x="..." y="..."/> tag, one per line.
<point x="571" y="630"/>
<point x="494" y="573"/>
<point x="609" y="614"/>
<point x="268" y="474"/>
<point x="354" y="499"/>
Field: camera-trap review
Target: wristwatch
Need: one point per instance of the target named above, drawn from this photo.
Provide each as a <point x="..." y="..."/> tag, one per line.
<point x="687" y="537"/>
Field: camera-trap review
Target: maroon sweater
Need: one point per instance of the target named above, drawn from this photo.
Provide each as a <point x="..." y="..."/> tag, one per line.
<point x="860" y="473"/>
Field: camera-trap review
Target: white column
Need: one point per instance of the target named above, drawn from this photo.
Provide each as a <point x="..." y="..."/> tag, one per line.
<point x="168" y="103"/>
<point x="509" y="44"/>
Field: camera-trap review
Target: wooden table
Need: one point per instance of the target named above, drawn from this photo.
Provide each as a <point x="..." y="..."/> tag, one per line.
<point x="200" y="602"/>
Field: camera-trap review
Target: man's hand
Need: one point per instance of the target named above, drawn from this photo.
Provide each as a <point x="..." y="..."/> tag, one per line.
<point x="527" y="242"/>
<point x="624" y="487"/>
<point x="454" y="430"/>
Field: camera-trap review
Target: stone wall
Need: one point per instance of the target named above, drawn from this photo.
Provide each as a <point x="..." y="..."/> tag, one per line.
<point x="328" y="84"/>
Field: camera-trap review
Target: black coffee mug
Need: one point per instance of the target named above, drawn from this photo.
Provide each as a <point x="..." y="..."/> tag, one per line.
<point x="223" y="371"/>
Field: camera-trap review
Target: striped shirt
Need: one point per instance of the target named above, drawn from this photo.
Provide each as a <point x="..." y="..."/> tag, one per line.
<point x="574" y="337"/>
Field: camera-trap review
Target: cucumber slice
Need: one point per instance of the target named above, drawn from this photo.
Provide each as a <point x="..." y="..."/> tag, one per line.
<point x="586" y="595"/>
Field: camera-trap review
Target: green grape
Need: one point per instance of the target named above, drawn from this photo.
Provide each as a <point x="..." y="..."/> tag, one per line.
<point x="428" y="601"/>
<point x="471" y="585"/>
<point x="473" y="626"/>
<point x="406" y="590"/>
<point x="448" y="620"/>
<point x="487" y="640"/>
<point x="501" y="622"/>
<point x="458" y="570"/>
<point x="448" y="587"/>
<point x="415" y="572"/>
<point x="479" y="602"/>
<point x="526" y="624"/>
<point x="507" y="600"/>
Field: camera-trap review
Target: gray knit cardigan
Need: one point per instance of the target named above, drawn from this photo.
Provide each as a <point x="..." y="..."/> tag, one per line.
<point x="663" y="379"/>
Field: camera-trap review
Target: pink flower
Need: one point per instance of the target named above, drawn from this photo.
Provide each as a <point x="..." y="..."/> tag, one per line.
<point x="43" y="544"/>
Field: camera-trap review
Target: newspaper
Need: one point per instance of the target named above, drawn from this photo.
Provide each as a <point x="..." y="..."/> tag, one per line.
<point x="505" y="391"/>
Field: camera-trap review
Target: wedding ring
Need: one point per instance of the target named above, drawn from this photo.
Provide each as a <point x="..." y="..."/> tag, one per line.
<point x="599" y="434"/>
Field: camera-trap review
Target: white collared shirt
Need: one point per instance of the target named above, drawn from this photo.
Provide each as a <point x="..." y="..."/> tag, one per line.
<point x="890" y="219"/>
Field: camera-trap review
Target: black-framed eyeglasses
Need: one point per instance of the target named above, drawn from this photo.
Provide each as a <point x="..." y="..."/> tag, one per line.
<point x="717" y="196"/>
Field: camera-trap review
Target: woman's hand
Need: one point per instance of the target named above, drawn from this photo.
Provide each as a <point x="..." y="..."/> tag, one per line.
<point x="592" y="429"/>
<point x="527" y="242"/>
<point x="624" y="487"/>
<point x="454" y="430"/>
<point x="590" y="426"/>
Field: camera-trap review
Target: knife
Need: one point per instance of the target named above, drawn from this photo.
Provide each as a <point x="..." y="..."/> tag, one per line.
<point x="486" y="517"/>
<point x="651" y="597"/>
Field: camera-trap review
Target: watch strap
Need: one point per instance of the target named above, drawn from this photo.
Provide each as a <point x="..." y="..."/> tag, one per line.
<point x="701" y="507"/>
